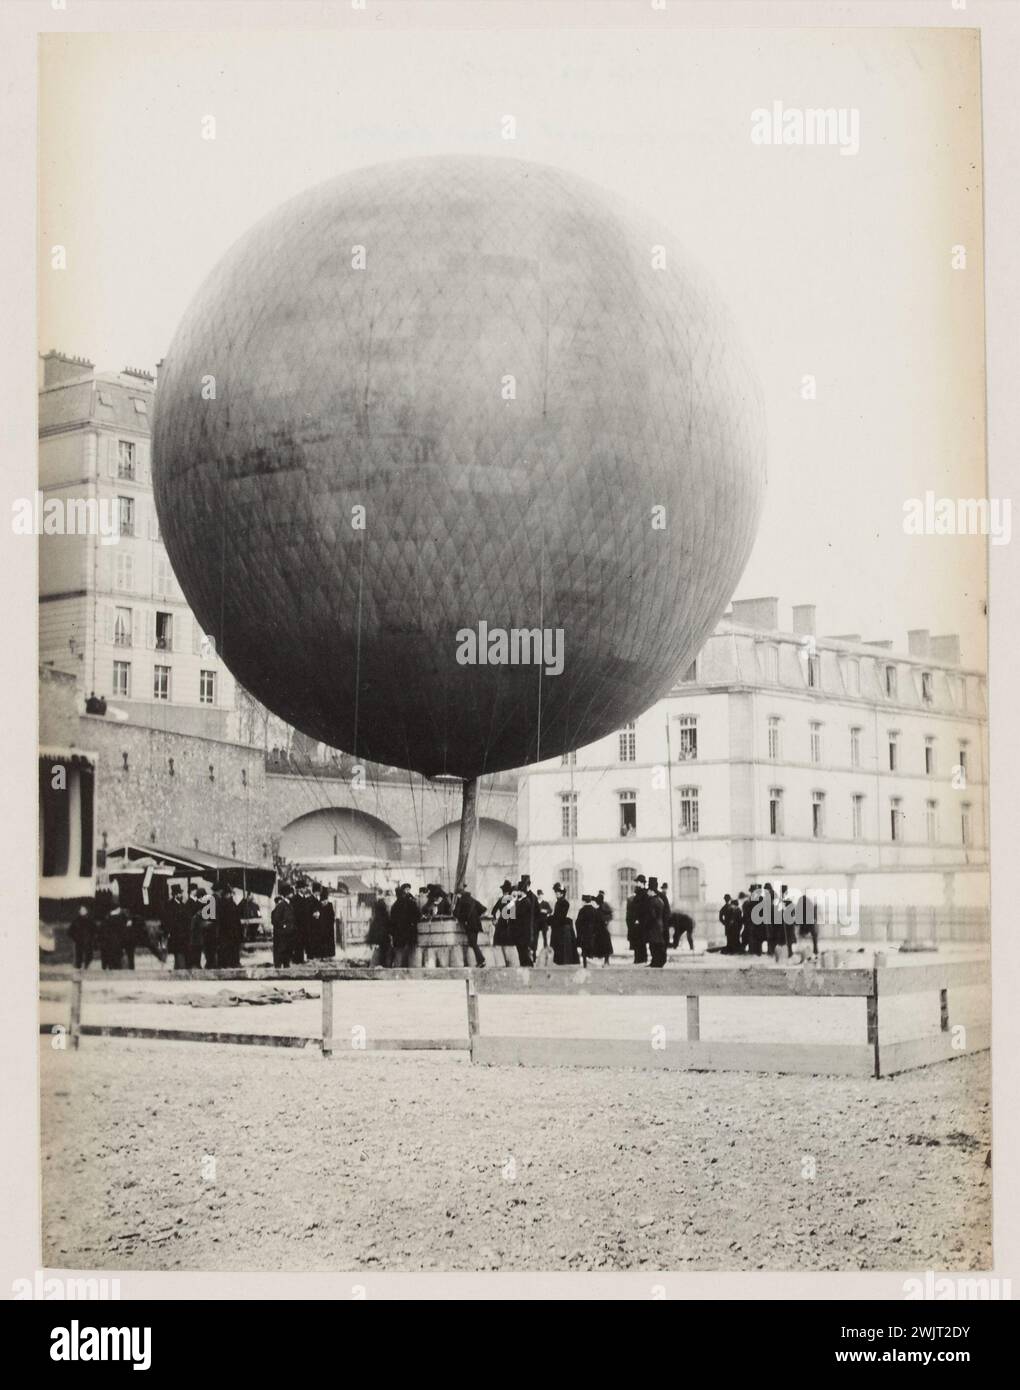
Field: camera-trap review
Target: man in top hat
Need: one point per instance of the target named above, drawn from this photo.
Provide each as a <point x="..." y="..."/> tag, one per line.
<point x="653" y="924"/>
<point x="405" y="915"/>
<point x="324" y="926"/>
<point x="503" y="911"/>
<point x="729" y="916"/>
<point x="524" y="920"/>
<point x="635" y="933"/>
<point x="283" y="930"/>
<point x="541" y="927"/>
<point x="177" y="925"/>
<point x="468" y="911"/>
<point x="82" y="934"/>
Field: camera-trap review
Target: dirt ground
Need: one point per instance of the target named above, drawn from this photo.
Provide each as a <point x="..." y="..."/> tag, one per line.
<point x="176" y="1156"/>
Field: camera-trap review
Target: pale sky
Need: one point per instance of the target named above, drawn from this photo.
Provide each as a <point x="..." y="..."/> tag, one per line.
<point x="834" y="266"/>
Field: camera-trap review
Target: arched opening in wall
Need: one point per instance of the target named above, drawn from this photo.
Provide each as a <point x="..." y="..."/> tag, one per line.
<point x="496" y="856"/>
<point x="340" y="834"/>
<point x="688" y="884"/>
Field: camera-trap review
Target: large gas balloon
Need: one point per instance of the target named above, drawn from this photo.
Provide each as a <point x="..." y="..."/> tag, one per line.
<point x="430" y="414"/>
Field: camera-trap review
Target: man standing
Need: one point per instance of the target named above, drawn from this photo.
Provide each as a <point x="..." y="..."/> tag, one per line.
<point x="587" y="928"/>
<point x="502" y="921"/>
<point x="283" y="931"/>
<point x="324" y="918"/>
<point x="524" y="920"/>
<point x="404" y="918"/>
<point x="635" y="936"/>
<point x="112" y="934"/>
<point x="208" y="929"/>
<point x="652" y="925"/>
<point x="229" y="931"/>
<point x="177" y="921"/>
<point x="468" y="912"/>
<point x="82" y="934"/>
<point x="302" y="905"/>
<point x="729" y="916"/>
<point x="541" y="924"/>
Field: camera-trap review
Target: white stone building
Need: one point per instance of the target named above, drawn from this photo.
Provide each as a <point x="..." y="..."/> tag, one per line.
<point x="820" y="762"/>
<point x="113" y="614"/>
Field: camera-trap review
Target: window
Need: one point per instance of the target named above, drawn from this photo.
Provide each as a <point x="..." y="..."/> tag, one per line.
<point x="852" y="676"/>
<point x="126" y="515"/>
<point x="688" y="738"/>
<point x="688" y="883"/>
<point x="691" y="674"/>
<point x="817" y="815"/>
<point x="926" y="687"/>
<point x="965" y="823"/>
<point x="105" y="398"/>
<point x="125" y="460"/>
<point x="893" y="748"/>
<point x="567" y="879"/>
<point x="857" y="816"/>
<point x="207" y="687"/>
<point x="772" y="664"/>
<point x="164" y="632"/>
<point x="124" y="572"/>
<point x="122" y="678"/>
<point x="163" y="578"/>
<point x="628" y="813"/>
<point x="962" y="762"/>
<point x="161" y="682"/>
<point x="816" y="743"/>
<point x="775" y="810"/>
<point x="890" y="682"/>
<point x="568" y="814"/>
<point x="814" y="672"/>
<point x="896" y="818"/>
<point x="624" y="884"/>
<point x="141" y="407"/>
<point x="568" y="759"/>
<point x="628" y="744"/>
<point x="122" y="627"/>
<point x="855" y="747"/>
<point x="689" y="817"/>
<point x="929" y="757"/>
<point x="931" y="821"/>
<point x="774" y="739"/>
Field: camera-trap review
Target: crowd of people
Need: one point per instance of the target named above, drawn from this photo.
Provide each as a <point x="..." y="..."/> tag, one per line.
<point x="204" y="930"/>
<point x="304" y="925"/>
<point x="764" y="921"/>
<point x="526" y="925"/>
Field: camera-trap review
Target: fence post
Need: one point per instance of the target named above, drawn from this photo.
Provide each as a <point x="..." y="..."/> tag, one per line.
<point x="75" y="1024"/>
<point x="873" y="1010"/>
<point x="944" y="1010"/>
<point x="472" y="1016"/>
<point x="327" y="1016"/>
<point x="693" y="1017"/>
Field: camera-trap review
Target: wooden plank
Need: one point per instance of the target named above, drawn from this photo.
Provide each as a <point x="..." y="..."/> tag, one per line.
<point x="402" y="1045"/>
<point x="873" y="1028"/>
<point x="327" y="1016"/>
<point x="845" y="1059"/>
<point x="924" y="1052"/>
<point x="75" y="1023"/>
<point x="103" y="1030"/>
<point x="943" y="1011"/>
<point x="693" y="1018"/>
<point x="913" y="979"/>
<point x="767" y="980"/>
<point x="472" y="1015"/>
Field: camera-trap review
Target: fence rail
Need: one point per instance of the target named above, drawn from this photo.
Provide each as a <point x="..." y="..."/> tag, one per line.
<point x="869" y="1057"/>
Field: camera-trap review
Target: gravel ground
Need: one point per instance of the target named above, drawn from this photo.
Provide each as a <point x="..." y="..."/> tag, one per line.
<point x="419" y="1161"/>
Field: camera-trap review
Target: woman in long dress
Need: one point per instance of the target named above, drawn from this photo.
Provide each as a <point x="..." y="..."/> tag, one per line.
<point x="561" y="934"/>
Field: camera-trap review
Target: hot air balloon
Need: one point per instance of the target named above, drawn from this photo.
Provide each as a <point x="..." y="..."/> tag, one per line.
<point x="459" y="460"/>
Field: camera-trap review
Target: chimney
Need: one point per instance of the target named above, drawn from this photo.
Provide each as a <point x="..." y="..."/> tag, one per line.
<point x="946" y="648"/>
<point x="804" y="619"/>
<point x="883" y="646"/>
<point x="138" y="372"/>
<point x="58" y="368"/>
<point x="761" y="613"/>
<point x="919" y="642"/>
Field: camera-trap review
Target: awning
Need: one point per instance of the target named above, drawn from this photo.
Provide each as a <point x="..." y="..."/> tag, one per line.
<point x="220" y="870"/>
<point x="352" y="884"/>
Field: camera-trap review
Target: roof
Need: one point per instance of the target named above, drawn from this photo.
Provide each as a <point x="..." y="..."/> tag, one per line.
<point x="106" y="400"/>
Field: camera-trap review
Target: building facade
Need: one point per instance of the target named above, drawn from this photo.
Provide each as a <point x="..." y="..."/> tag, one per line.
<point x="110" y="609"/>
<point x="822" y="762"/>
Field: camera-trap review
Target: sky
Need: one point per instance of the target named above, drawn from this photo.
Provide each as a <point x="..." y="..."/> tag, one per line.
<point x="835" y="266"/>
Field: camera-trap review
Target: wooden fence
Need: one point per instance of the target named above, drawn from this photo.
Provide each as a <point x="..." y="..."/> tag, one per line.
<point x="692" y="1052"/>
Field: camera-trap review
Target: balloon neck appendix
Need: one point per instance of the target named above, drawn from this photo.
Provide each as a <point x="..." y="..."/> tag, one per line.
<point x="541" y="413"/>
